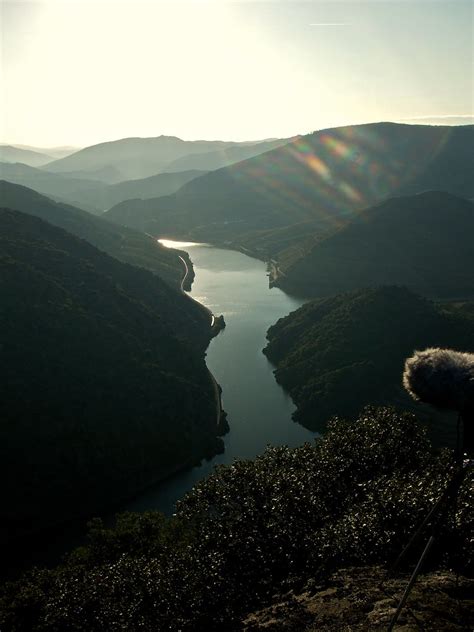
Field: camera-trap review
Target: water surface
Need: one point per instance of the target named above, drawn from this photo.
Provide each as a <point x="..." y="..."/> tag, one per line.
<point x="259" y="411"/>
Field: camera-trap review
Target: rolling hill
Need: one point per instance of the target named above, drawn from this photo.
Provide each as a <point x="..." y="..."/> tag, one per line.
<point x="335" y="355"/>
<point x="322" y="179"/>
<point x="135" y="158"/>
<point x="144" y="188"/>
<point x="93" y="195"/>
<point x="11" y="153"/>
<point x="61" y="187"/>
<point x="224" y="156"/>
<point x="104" y="386"/>
<point x="424" y="242"/>
<point x="126" y="245"/>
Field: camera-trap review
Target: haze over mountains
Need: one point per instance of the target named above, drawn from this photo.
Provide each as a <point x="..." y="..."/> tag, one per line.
<point x="133" y="158"/>
<point x="33" y="156"/>
<point x="314" y="184"/>
<point x="93" y="195"/>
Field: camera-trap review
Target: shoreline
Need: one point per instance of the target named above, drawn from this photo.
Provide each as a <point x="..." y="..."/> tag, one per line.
<point x="216" y="324"/>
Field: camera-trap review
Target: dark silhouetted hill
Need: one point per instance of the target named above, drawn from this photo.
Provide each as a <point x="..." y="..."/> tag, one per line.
<point x="424" y="242"/>
<point x="104" y="386"/>
<point x="285" y="542"/>
<point x="126" y="245"/>
<point x="323" y="179"/>
<point x="335" y="355"/>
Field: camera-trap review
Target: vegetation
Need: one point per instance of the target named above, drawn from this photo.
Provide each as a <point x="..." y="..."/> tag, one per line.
<point x="252" y="529"/>
<point x="124" y="244"/>
<point x="104" y="387"/>
<point x="321" y="179"/>
<point x="337" y="354"/>
<point x="405" y="241"/>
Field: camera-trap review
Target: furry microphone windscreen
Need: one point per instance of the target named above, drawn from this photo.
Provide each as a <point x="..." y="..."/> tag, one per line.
<point x="441" y="377"/>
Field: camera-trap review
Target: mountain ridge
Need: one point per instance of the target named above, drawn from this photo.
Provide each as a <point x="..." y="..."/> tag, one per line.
<point x="126" y="245"/>
<point x="323" y="179"/>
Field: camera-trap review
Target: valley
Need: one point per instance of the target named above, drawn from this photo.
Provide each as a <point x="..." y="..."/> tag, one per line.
<point x="307" y="277"/>
<point x="237" y="316"/>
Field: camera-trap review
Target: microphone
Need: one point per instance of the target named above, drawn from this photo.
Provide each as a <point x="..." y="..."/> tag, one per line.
<point x="444" y="378"/>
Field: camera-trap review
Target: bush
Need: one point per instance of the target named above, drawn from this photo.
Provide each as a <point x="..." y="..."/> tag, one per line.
<point x="250" y="529"/>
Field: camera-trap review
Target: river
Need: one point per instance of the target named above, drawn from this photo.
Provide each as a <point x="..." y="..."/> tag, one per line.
<point x="259" y="411"/>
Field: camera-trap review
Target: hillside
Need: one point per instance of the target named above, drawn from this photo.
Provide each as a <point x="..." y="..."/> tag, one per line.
<point x="139" y="157"/>
<point x="93" y="195"/>
<point x="337" y="354"/>
<point x="11" y="153"/>
<point x="144" y="188"/>
<point x="403" y="241"/>
<point x="104" y="386"/>
<point x="322" y="178"/>
<point x="126" y="245"/>
<point x="60" y="187"/>
<point x="225" y="156"/>
<point x="60" y="151"/>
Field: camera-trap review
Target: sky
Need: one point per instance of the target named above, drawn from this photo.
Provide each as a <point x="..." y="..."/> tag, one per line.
<point x="79" y="72"/>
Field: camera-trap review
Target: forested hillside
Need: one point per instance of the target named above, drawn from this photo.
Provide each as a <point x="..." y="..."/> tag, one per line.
<point x="126" y="245"/>
<point x="337" y="354"/>
<point x="104" y="387"/>
<point x="423" y="242"/>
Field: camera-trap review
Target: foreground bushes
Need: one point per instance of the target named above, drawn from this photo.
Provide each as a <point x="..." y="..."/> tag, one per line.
<point x="249" y="530"/>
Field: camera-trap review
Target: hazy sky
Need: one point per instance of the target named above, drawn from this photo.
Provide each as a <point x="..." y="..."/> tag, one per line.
<point x="80" y="72"/>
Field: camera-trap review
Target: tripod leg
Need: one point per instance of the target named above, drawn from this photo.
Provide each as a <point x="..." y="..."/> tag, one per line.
<point x="415" y="574"/>
<point x="449" y="492"/>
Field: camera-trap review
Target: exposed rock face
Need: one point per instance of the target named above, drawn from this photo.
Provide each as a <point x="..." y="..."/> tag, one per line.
<point x="363" y="600"/>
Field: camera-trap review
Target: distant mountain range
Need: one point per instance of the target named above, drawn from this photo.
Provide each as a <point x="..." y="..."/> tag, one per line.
<point x="104" y="389"/>
<point x="126" y="245"/>
<point x="335" y="355"/>
<point x="33" y="156"/>
<point x="225" y="156"/>
<point x="133" y="158"/>
<point x="93" y="195"/>
<point x="424" y="241"/>
<point x="9" y="153"/>
<point x="309" y="186"/>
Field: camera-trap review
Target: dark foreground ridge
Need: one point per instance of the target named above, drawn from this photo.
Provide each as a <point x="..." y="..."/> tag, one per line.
<point x="256" y="533"/>
<point x="107" y="389"/>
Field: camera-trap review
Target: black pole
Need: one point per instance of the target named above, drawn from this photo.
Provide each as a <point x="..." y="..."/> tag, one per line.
<point x="415" y="574"/>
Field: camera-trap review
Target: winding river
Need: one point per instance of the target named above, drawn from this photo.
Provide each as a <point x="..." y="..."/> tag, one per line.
<point x="259" y="411"/>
